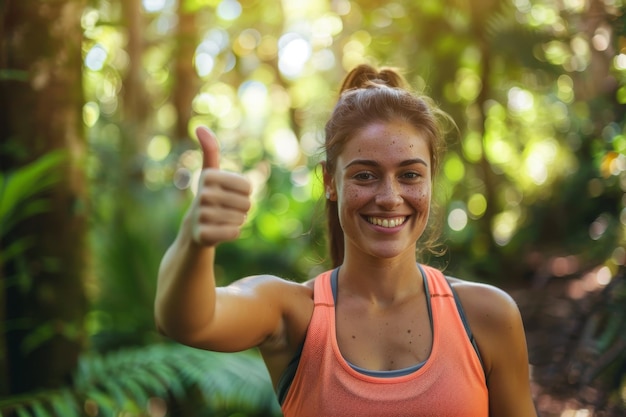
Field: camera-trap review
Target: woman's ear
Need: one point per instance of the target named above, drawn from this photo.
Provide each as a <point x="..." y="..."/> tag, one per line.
<point x="329" y="184"/>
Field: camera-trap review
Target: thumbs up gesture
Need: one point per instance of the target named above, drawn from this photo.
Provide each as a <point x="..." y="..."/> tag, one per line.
<point x="223" y="200"/>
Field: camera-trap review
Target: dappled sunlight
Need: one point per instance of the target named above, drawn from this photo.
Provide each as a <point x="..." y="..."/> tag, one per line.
<point x="453" y="168"/>
<point x="293" y="53"/>
<point x="472" y="147"/>
<point x="247" y="41"/>
<point x="531" y="192"/>
<point x="159" y="147"/>
<point x="521" y="102"/>
<point x="91" y="113"/>
<point x="96" y="58"/>
<point x="283" y="145"/>
<point x="467" y="86"/>
<point x="540" y="157"/>
<point x="254" y="99"/>
<point x="457" y="219"/>
<point x="565" y="93"/>
<point x="589" y="282"/>
<point x="477" y="205"/>
<point x="229" y="9"/>
<point x="505" y="225"/>
<point x="599" y="226"/>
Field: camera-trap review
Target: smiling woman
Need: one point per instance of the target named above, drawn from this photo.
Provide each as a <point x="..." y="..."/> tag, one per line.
<point x="379" y="333"/>
<point x="381" y="181"/>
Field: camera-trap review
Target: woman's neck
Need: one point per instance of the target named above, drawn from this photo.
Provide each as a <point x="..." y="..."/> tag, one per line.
<point x="381" y="281"/>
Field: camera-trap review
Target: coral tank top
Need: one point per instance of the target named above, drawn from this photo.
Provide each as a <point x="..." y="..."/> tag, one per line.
<point x="451" y="383"/>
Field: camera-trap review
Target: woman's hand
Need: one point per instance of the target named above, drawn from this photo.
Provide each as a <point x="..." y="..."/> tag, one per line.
<point x="223" y="199"/>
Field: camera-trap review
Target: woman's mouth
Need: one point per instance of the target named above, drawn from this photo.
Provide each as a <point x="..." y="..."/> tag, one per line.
<point x="387" y="222"/>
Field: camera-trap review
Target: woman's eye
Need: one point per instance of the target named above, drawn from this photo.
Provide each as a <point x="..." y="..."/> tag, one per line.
<point x="363" y="176"/>
<point x="412" y="175"/>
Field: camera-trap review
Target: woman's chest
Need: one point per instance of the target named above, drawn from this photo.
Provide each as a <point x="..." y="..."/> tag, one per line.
<point x="384" y="339"/>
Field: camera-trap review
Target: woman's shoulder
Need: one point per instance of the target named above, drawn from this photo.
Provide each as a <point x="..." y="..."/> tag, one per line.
<point x="273" y="285"/>
<point x="293" y="295"/>
<point x="493" y="316"/>
<point x="486" y="304"/>
<point x="482" y="299"/>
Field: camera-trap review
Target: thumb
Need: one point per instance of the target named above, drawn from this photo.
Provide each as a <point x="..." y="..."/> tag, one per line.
<point x="210" y="148"/>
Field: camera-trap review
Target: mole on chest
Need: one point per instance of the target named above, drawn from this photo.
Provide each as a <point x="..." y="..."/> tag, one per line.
<point x="384" y="344"/>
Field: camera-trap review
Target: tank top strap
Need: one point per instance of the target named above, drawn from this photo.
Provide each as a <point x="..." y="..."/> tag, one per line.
<point x="323" y="289"/>
<point x="322" y="296"/>
<point x="440" y="287"/>
<point x="437" y="283"/>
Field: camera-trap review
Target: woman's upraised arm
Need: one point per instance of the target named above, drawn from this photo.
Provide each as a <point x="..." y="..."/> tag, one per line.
<point x="188" y="307"/>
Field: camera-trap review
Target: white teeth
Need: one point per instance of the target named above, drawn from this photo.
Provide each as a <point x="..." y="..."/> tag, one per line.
<point x="389" y="223"/>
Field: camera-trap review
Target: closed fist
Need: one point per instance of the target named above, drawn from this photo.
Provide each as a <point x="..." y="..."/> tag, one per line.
<point x="223" y="199"/>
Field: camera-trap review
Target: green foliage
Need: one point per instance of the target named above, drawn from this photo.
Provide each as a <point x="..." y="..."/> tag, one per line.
<point x="18" y="188"/>
<point x="132" y="381"/>
<point x="540" y="147"/>
<point x="604" y="338"/>
<point x="20" y="198"/>
<point x="583" y="343"/>
<point x="131" y="226"/>
<point x="13" y="75"/>
<point x="126" y="267"/>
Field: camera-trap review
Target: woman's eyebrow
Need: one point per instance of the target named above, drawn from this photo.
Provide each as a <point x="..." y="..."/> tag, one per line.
<point x="413" y="161"/>
<point x="372" y="163"/>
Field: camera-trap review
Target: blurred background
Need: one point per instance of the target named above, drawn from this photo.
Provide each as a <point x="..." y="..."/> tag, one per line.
<point x="98" y="103"/>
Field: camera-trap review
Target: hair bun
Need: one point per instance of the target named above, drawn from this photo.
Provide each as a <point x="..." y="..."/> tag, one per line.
<point x="366" y="76"/>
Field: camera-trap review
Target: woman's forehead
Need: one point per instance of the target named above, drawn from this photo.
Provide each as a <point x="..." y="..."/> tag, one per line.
<point x="387" y="139"/>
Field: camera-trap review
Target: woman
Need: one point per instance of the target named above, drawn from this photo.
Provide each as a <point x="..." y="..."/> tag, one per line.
<point x="380" y="334"/>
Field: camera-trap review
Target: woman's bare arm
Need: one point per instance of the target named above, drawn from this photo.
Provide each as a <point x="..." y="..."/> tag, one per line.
<point x="188" y="307"/>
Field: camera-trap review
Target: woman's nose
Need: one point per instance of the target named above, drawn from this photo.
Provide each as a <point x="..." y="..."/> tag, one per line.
<point x="389" y="195"/>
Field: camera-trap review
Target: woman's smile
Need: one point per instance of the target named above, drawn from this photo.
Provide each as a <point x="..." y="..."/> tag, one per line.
<point x="389" y="223"/>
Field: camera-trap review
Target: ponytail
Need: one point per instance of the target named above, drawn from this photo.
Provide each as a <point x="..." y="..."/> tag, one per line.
<point x="365" y="76"/>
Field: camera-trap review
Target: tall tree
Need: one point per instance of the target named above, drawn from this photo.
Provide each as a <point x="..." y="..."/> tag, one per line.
<point x="40" y="112"/>
<point x="186" y="80"/>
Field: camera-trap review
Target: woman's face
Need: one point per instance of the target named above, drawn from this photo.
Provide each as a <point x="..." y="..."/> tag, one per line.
<point x="382" y="185"/>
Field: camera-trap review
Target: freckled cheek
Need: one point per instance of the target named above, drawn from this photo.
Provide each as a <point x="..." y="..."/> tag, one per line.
<point x="352" y="194"/>
<point x="422" y="198"/>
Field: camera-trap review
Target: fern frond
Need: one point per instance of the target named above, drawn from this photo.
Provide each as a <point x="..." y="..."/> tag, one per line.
<point x="124" y="382"/>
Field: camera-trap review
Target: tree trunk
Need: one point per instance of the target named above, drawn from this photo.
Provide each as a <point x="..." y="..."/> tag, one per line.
<point x="41" y="111"/>
<point x="186" y="84"/>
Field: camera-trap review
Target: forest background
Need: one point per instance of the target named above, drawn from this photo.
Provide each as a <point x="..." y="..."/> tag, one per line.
<point x="98" y="103"/>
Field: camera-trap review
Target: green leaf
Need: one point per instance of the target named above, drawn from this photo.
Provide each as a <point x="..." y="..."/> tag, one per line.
<point x="105" y="403"/>
<point x="37" y="337"/>
<point x="115" y="390"/>
<point x="148" y="382"/>
<point x="22" y="412"/>
<point x="15" y="248"/>
<point x="39" y="410"/>
<point x="13" y="75"/>
<point x="139" y="395"/>
<point x="18" y="186"/>
<point x="64" y="404"/>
